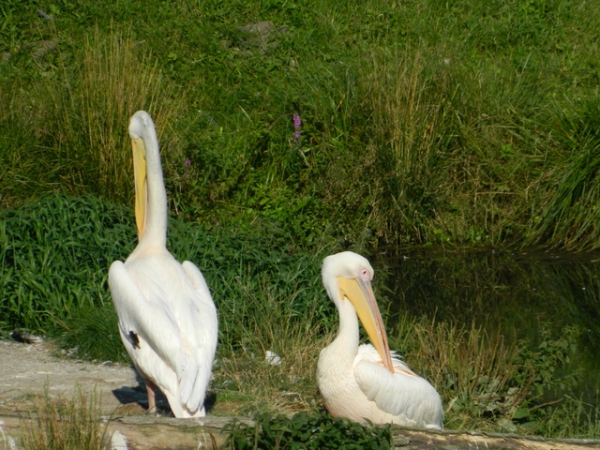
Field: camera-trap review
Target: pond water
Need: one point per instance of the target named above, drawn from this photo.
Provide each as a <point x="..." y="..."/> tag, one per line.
<point x="519" y="293"/>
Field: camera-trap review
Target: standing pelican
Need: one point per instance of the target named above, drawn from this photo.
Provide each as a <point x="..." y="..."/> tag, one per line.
<point x="167" y="319"/>
<point x="366" y="382"/>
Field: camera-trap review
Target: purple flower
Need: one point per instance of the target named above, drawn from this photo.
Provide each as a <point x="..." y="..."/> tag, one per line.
<point x="187" y="162"/>
<point x="297" y="126"/>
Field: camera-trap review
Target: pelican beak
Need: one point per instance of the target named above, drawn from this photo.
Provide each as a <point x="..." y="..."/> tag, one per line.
<point x="139" y="171"/>
<point x="360" y="294"/>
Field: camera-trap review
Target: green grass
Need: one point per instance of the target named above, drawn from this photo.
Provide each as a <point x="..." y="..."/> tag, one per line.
<point x="421" y="122"/>
<point x="52" y="283"/>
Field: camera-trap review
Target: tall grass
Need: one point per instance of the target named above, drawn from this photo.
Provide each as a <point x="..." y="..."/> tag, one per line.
<point x="65" y="424"/>
<point x="477" y="373"/>
<point x="568" y="218"/>
<point x="87" y="115"/>
<point x="80" y="110"/>
<point x="409" y="143"/>
<point x="489" y="384"/>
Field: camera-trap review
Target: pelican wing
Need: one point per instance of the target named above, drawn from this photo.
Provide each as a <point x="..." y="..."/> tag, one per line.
<point x="146" y="316"/>
<point x="202" y="325"/>
<point x="403" y="393"/>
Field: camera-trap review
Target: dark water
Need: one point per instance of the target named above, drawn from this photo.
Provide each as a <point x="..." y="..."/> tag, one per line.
<point x="519" y="293"/>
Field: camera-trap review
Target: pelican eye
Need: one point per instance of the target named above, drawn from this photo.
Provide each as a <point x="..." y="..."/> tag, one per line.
<point x="364" y="274"/>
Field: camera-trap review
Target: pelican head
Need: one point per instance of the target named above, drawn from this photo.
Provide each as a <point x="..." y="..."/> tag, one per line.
<point x="347" y="276"/>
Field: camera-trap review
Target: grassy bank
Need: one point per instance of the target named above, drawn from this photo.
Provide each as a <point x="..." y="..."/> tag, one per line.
<point x="470" y="123"/>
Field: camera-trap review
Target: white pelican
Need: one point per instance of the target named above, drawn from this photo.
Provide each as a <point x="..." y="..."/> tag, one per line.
<point x="167" y="319"/>
<point x="366" y="382"/>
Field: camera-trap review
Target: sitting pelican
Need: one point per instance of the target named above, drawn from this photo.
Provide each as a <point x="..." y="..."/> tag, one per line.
<point x="167" y="319"/>
<point x="365" y="382"/>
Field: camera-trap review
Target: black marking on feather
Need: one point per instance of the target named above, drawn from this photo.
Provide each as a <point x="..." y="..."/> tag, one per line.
<point x="134" y="339"/>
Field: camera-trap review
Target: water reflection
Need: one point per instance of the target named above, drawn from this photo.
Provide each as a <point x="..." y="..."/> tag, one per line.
<point x="515" y="292"/>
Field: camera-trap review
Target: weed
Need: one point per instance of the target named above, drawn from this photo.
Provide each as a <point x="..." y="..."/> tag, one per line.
<point x="307" y="431"/>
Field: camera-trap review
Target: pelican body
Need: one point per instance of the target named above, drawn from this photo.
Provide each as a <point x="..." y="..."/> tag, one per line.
<point x="167" y="318"/>
<point x="368" y="382"/>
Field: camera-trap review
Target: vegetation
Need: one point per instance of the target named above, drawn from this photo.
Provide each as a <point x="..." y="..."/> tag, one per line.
<point x="419" y="122"/>
<point x="313" y="432"/>
<point x="488" y="378"/>
<point x="65" y="424"/>
<point x="292" y="130"/>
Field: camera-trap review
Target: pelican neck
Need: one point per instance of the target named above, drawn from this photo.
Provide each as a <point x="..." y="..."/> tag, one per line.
<point x="347" y="340"/>
<point x="156" y="212"/>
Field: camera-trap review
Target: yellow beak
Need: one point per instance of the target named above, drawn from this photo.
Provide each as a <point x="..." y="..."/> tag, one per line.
<point x="360" y="294"/>
<point x="141" y="185"/>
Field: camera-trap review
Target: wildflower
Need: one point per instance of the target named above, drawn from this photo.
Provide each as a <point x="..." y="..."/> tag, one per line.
<point x="187" y="162"/>
<point x="297" y="126"/>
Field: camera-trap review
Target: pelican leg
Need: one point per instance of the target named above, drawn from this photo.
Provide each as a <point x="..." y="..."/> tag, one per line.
<point x="151" y="389"/>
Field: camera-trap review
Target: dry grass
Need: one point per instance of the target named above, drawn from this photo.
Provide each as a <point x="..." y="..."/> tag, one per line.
<point x="247" y="382"/>
<point x="65" y="424"/>
<point x="408" y="109"/>
<point x="86" y="110"/>
<point x="475" y="371"/>
<point x="265" y="320"/>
